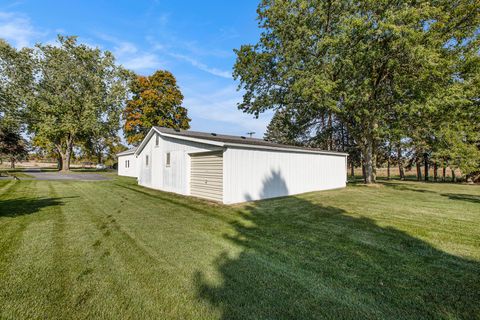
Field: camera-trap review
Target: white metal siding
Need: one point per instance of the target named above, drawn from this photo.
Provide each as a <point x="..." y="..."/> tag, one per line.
<point x="176" y="177"/>
<point x="131" y="170"/>
<point x="206" y="178"/>
<point x="251" y="174"/>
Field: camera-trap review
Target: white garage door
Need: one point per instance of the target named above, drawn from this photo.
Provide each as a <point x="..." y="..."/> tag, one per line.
<point x="206" y="179"/>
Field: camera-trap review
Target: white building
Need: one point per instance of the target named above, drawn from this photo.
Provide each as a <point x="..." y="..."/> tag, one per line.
<point x="232" y="169"/>
<point x="127" y="163"/>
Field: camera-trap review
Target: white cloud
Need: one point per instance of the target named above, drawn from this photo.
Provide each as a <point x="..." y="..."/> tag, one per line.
<point x="176" y="45"/>
<point x="140" y="62"/>
<point x="126" y="48"/>
<point x="221" y="106"/>
<point x="202" y="66"/>
<point x="128" y="54"/>
<point x="18" y="30"/>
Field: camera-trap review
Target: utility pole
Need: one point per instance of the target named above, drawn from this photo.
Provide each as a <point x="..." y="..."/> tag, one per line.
<point x="251" y="133"/>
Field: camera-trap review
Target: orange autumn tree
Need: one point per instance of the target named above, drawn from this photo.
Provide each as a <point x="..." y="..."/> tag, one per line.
<point x="156" y="101"/>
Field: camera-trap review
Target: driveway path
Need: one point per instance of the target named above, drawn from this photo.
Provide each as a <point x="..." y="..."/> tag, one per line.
<point x="39" y="175"/>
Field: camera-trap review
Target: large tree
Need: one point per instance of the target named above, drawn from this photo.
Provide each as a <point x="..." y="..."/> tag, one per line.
<point x="156" y="101"/>
<point x="77" y="89"/>
<point x="359" y="63"/>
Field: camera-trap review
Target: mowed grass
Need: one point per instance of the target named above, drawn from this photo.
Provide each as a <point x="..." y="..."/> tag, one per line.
<point x="114" y="250"/>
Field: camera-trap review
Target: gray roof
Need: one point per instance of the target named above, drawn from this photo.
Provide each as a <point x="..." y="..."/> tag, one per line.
<point x="228" y="139"/>
<point x="126" y="152"/>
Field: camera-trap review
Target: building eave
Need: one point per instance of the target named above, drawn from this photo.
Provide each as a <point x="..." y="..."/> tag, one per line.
<point x="249" y="146"/>
<point x="233" y="145"/>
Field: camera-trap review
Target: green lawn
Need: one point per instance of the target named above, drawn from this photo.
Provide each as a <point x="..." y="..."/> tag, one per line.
<point x="113" y="250"/>
<point x="14" y="172"/>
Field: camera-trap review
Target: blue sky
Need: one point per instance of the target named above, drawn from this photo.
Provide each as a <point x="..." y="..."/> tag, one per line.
<point x="192" y="39"/>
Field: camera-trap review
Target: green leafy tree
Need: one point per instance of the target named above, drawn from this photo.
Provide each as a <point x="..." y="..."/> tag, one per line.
<point x="16" y="79"/>
<point x="156" y="101"/>
<point x="77" y="89"/>
<point x="12" y="145"/>
<point x="284" y="129"/>
<point x="15" y="83"/>
<point x="361" y="62"/>
<point x="101" y="147"/>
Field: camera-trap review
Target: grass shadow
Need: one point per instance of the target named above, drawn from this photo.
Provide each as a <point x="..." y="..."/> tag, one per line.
<point x="24" y="206"/>
<point x="403" y="187"/>
<point x="303" y="260"/>
<point x="462" y="197"/>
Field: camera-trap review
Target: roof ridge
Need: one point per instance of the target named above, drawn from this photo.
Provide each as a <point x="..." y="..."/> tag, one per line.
<point x="206" y="133"/>
<point x="230" y="139"/>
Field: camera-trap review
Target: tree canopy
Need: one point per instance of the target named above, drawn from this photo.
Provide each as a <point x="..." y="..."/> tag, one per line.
<point x="12" y="145"/>
<point x="361" y="73"/>
<point x="156" y="101"/>
<point x="78" y="94"/>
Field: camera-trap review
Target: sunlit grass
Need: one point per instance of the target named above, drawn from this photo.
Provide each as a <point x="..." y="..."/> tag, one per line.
<point x="114" y="250"/>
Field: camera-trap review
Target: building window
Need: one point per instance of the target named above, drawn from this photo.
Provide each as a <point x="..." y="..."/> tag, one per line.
<point x="157" y="140"/>
<point x="146" y="160"/>
<point x="126" y="163"/>
<point x="167" y="161"/>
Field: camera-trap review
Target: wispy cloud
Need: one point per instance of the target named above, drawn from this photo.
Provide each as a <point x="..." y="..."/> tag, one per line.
<point x="220" y="106"/>
<point x="202" y="66"/>
<point x="18" y="30"/>
<point x="189" y="51"/>
<point x="141" y="62"/>
<point x="130" y="56"/>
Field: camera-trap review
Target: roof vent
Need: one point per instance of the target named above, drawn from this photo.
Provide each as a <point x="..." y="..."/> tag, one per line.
<point x="243" y="137"/>
<point x="213" y="134"/>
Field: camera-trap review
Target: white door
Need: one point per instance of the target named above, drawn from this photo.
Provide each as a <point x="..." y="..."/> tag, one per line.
<point x="206" y="175"/>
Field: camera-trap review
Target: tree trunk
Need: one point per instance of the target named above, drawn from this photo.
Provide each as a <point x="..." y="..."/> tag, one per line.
<point x="388" y="167"/>
<point x="425" y="159"/>
<point x="352" y="169"/>
<point x="369" y="161"/>
<point x="59" y="162"/>
<point x="65" y="155"/>
<point x="400" y="163"/>
<point x="66" y="160"/>
<point x="454" y="178"/>
<point x="12" y="163"/>
<point x="330" y="128"/>
<point x="444" y="170"/>
<point x="435" y="171"/>
<point x="419" y="170"/>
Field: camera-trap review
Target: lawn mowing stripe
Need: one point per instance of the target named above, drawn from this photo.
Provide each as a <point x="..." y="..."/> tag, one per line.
<point x="318" y="255"/>
<point x="272" y="265"/>
<point x="212" y="217"/>
<point x="7" y="185"/>
<point x="94" y="278"/>
<point x="124" y="248"/>
<point x="30" y="264"/>
<point x="152" y="265"/>
<point x="12" y="227"/>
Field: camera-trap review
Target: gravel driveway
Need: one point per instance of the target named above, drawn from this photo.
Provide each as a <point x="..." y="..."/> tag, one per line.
<point x="39" y="175"/>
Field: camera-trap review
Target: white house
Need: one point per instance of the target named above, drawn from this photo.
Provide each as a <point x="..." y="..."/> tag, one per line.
<point x="232" y="169"/>
<point x="127" y="163"/>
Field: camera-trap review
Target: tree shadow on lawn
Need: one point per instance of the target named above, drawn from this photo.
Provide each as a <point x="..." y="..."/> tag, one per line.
<point x="462" y="197"/>
<point x="23" y="206"/>
<point x="397" y="186"/>
<point x="303" y="260"/>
